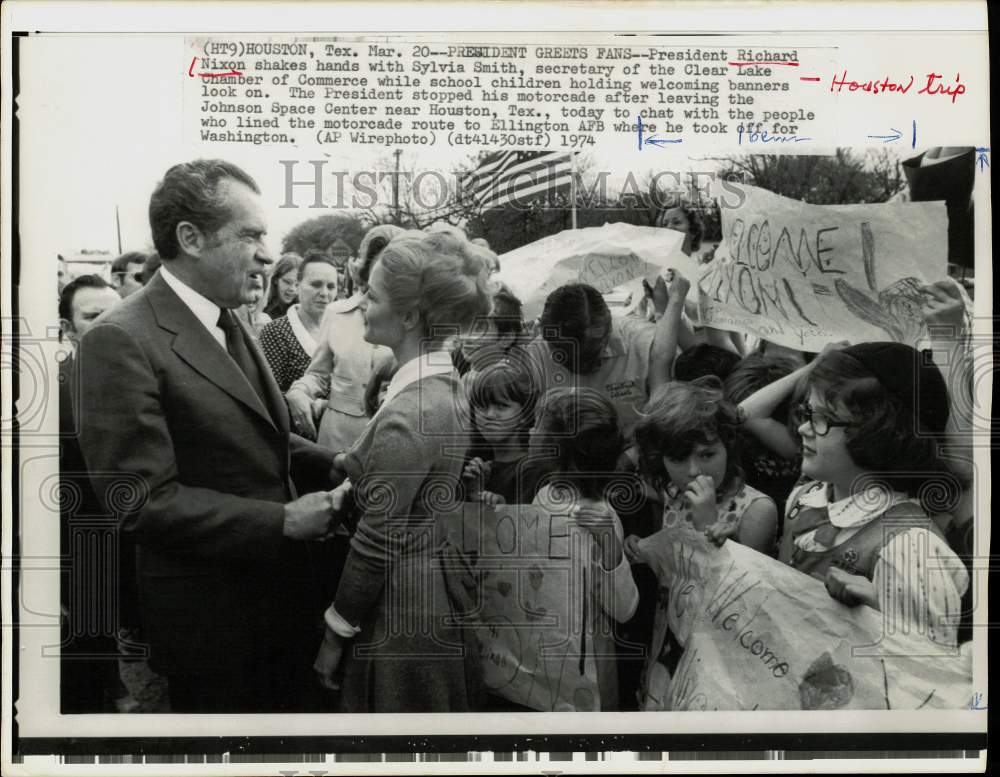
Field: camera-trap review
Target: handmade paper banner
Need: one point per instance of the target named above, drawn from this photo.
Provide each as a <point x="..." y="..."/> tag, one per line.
<point x="614" y="256"/>
<point x="805" y="275"/>
<point x="535" y="608"/>
<point x="749" y="633"/>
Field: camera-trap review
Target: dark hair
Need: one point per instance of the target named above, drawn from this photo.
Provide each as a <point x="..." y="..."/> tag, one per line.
<point x="314" y="256"/>
<point x="150" y="267"/>
<point x="289" y="262"/>
<point x="583" y="425"/>
<point x="70" y="289"/>
<point x="703" y="360"/>
<point x="120" y="265"/>
<point x="507" y="311"/>
<point x="503" y="382"/>
<point x="570" y="312"/>
<point x="884" y="438"/>
<point x="680" y="416"/>
<point x="754" y="373"/>
<point x="191" y="192"/>
<point x="696" y="227"/>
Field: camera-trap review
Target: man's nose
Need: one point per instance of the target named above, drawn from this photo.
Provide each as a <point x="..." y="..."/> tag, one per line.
<point x="805" y="429"/>
<point x="264" y="255"/>
<point x="693" y="469"/>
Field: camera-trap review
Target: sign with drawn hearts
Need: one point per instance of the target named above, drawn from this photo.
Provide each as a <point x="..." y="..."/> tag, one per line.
<point x="742" y="631"/>
<point x="536" y="609"/>
<point x="804" y="275"/>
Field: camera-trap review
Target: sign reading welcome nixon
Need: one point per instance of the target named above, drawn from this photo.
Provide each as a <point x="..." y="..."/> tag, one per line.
<point x="804" y="275"/>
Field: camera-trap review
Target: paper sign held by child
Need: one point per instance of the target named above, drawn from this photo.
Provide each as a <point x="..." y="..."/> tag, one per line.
<point x="533" y="614"/>
<point x="753" y="633"/>
<point x="804" y="275"/>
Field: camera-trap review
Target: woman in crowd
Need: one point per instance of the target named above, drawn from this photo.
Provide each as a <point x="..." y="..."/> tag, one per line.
<point x="390" y="619"/>
<point x="289" y="341"/>
<point x="684" y="219"/>
<point x="581" y="426"/>
<point x="284" y="286"/>
<point x="343" y="361"/>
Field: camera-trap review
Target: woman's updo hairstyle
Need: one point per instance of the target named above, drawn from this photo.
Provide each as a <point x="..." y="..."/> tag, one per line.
<point x="443" y="277"/>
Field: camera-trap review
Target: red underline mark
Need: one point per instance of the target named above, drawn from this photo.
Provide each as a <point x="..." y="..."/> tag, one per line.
<point x="192" y="74"/>
<point x="741" y="64"/>
<point x="808" y="78"/>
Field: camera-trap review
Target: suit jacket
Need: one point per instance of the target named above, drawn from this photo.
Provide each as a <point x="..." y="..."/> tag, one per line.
<point x="162" y="400"/>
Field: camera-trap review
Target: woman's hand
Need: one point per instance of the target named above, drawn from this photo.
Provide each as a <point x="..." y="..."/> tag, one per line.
<point x="331" y="650"/>
<point x="300" y="409"/>
<point x="849" y="589"/>
<point x="700" y="494"/>
<point x="475" y="474"/>
<point x="340" y="500"/>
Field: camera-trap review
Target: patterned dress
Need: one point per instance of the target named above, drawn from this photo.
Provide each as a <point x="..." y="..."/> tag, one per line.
<point x="665" y="651"/>
<point x="288" y="359"/>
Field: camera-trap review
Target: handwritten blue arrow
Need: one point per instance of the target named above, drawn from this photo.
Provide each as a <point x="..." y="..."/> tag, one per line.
<point x="651" y="140"/>
<point x="983" y="160"/>
<point x="655" y="141"/>
<point x="889" y="138"/>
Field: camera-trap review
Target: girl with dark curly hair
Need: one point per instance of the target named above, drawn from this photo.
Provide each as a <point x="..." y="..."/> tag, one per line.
<point x="690" y="443"/>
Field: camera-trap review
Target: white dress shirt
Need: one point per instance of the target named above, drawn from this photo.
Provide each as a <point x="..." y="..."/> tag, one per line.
<point x="423" y="366"/>
<point x="305" y="339"/>
<point x="206" y="311"/>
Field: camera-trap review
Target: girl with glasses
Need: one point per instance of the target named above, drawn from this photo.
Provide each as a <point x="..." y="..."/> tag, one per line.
<point x="860" y="520"/>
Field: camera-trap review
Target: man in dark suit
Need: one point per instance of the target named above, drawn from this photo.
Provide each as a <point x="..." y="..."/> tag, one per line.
<point x="174" y="391"/>
<point x="90" y="590"/>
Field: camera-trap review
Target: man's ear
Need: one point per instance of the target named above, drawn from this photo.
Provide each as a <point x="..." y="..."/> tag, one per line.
<point x="66" y="330"/>
<point x="190" y="239"/>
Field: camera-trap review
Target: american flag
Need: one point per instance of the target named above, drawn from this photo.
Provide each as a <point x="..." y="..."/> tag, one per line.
<point x="504" y="176"/>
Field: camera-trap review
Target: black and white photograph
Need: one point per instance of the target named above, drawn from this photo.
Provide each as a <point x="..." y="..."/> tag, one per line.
<point x="414" y="395"/>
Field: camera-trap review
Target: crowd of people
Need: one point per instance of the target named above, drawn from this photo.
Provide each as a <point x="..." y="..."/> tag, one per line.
<point x="291" y="429"/>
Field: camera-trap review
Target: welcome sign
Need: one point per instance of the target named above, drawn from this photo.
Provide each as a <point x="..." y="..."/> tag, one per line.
<point x="750" y="633"/>
<point x="804" y="275"/>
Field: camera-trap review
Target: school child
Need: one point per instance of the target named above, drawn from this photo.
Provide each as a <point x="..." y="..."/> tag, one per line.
<point x="770" y="450"/>
<point x="689" y="442"/>
<point x="871" y="467"/>
<point x="579" y="429"/>
<point x="503" y="398"/>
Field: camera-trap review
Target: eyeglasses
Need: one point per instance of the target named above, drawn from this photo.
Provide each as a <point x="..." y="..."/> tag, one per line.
<point x="819" y="422"/>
